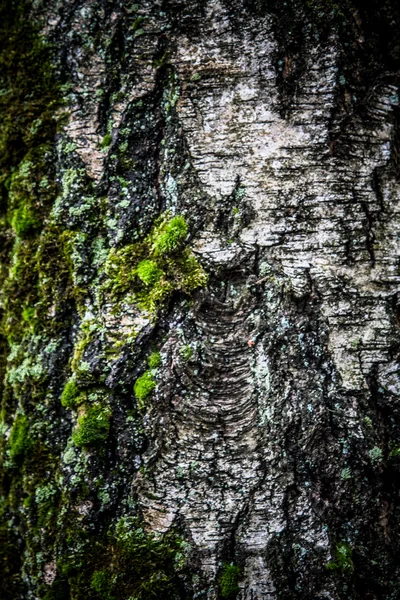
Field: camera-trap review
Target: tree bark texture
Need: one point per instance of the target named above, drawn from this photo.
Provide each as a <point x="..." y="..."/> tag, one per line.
<point x="200" y="276"/>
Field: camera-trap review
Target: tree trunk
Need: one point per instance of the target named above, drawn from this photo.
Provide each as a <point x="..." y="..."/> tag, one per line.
<point x="200" y="275"/>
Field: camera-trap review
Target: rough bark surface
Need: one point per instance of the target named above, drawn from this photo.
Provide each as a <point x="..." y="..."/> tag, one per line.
<point x="205" y="407"/>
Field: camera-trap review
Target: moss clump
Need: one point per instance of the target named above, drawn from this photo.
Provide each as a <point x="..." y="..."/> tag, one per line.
<point x="28" y="80"/>
<point x="125" y="563"/>
<point x="171" y="235"/>
<point x="153" y="269"/>
<point x="120" y="269"/>
<point x="149" y="563"/>
<point x="185" y="352"/>
<point x="154" y="360"/>
<point x="228" y="581"/>
<point x="343" y="559"/>
<point x="28" y="314"/>
<point x="70" y="394"/>
<point x="148" y="272"/>
<point x="24" y="222"/>
<point x="143" y="387"/>
<point x="137" y="23"/>
<point x="106" y="141"/>
<point x="101" y="583"/>
<point x="19" y="441"/>
<point x="93" y="427"/>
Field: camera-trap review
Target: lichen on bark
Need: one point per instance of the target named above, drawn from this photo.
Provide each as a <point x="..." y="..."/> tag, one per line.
<point x="199" y="270"/>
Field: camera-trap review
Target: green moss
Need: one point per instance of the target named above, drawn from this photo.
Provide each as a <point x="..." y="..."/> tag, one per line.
<point x="30" y="91"/>
<point x="185" y="352"/>
<point x="30" y="96"/>
<point x="120" y="269"/>
<point x="70" y="394"/>
<point x="153" y="299"/>
<point x="20" y="440"/>
<point x="143" y="387"/>
<point x="88" y="329"/>
<point x="16" y="295"/>
<point x="170" y="236"/>
<point x="106" y="141"/>
<point x="187" y="273"/>
<point x="343" y="559"/>
<point x="28" y="314"/>
<point x="24" y="222"/>
<point x="148" y="272"/>
<point x="57" y="292"/>
<point x="154" y="268"/>
<point x="137" y="23"/>
<point x="32" y="278"/>
<point x="125" y="563"/>
<point x="44" y="274"/>
<point x="150" y="562"/>
<point x="101" y="583"/>
<point x="368" y="422"/>
<point x="154" y="360"/>
<point x="93" y="427"/>
<point x="228" y="581"/>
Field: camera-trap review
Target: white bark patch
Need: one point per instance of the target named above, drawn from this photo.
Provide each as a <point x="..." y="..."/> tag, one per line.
<point x="300" y="192"/>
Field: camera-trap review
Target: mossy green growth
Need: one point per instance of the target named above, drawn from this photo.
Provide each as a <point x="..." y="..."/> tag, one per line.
<point x="30" y="90"/>
<point x="137" y="23"/>
<point x="151" y="270"/>
<point x="150" y="562"/>
<point x="20" y="440"/>
<point x="144" y="385"/>
<point x="101" y="583"/>
<point x="106" y="141"/>
<point x="28" y="314"/>
<point x="170" y="235"/>
<point x="24" y="221"/>
<point x="185" y="352"/>
<point x="228" y="581"/>
<point x="70" y="394"/>
<point x="126" y="563"/>
<point x="93" y="427"/>
<point x="343" y="559"/>
<point x="30" y="100"/>
<point x="154" y="360"/>
<point x="148" y="272"/>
